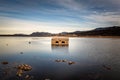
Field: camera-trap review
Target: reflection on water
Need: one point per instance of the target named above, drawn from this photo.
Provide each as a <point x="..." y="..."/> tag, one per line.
<point x="60" y="49"/>
<point x="95" y="58"/>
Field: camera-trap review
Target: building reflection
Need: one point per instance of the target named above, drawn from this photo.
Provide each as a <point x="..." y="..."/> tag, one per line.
<point x="60" y="45"/>
<point x="60" y="49"/>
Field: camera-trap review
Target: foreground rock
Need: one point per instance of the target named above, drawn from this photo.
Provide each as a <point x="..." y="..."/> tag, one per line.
<point x="21" y="68"/>
<point x="64" y="60"/>
<point x="106" y="67"/>
<point x="4" y="62"/>
<point x="24" y="67"/>
<point x="19" y="73"/>
<point x="71" y="62"/>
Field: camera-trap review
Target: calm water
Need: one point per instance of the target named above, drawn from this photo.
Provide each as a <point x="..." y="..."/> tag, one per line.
<point x="89" y="55"/>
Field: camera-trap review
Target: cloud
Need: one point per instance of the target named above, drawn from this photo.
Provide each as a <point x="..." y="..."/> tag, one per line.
<point x="12" y="26"/>
<point x="58" y="14"/>
<point x="70" y="4"/>
<point x="111" y="18"/>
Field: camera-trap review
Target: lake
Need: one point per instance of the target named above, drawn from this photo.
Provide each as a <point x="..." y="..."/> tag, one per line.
<point x="95" y="58"/>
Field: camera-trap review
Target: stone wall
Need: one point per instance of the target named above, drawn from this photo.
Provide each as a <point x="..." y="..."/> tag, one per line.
<point x="60" y="41"/>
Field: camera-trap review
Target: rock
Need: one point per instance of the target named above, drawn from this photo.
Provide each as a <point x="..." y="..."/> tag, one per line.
<point x="21" y="68"/>
<point x="58" y="60"/>
<point x="24" y="67"/>
<point x="21" y="52"/>
<point x="19" y="73"/>
<point x="27" y="76"/>
<point x="47" y="79"/>
<point x="106" y="67"/>
<point x="29" y="42"/>
<point x="64" y="60"/>
<point x="4" y="62"/>
<point x="71" y="62"/>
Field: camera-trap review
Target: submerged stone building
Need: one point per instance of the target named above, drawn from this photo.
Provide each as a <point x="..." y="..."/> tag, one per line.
<point x="60" y="41"/>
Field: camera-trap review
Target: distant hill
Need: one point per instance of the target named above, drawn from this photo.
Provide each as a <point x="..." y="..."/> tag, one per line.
<point x="20" y="35"/>
<point x="107" y="31"/>
<point x="40" y="34"/>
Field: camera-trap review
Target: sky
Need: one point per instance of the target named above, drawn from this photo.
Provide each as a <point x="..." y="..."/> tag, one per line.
<point x="27" y="16"/>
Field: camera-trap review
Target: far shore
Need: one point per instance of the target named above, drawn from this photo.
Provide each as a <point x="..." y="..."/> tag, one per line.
<point x="64" y="36"/>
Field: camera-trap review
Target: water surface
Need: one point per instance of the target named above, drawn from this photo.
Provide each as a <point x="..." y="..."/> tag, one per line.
<point x="89" y="54"/>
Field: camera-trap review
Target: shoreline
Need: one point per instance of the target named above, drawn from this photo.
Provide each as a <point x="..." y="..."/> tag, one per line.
<point x="65" y="36"/>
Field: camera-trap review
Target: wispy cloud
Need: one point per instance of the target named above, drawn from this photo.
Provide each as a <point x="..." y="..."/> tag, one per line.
<point x="12" y="25"/>
<point x="57" y="14"/>
<point x="110" y="18"/>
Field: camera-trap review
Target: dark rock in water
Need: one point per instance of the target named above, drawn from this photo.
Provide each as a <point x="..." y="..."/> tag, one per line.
<point x="94" y="76"/>
<point x="106" y="67"/>
<point x="28" y="77"/>
<point x="47" y="79"/>
<point x="21" y="68"/>
<point x="64" y="60"/>
<point x="29" y="42"/>
<point x="19" y="73"/>
<point x="71" y="62"/>
<point x="58" y="60"/>
<point x="4" y="62"/>
<point x="21" y="52"/>
<point x="24" y="67"/>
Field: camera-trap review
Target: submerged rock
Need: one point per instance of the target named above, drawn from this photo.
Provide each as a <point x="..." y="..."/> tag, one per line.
<point x="28" y="77"/>
<point x="48" y="79"/>
<point x="64" y="60"/>
<point x="21" y="68"/>
<point x="24" y="67"/>
<point x="21" y="52"/>
<point x="19" y="73"/>
<point x="4" y="62"/>
<point x="58" y="60"/>
<point x="71" y="62"/>
<point x="106" y="67"/>
<point x="29" y="42"/>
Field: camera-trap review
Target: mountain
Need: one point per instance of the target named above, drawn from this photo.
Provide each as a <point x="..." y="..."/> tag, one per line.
<point x="107" y="31"/>
<point x="20" y="35"/>
<point x="40" y="34"/>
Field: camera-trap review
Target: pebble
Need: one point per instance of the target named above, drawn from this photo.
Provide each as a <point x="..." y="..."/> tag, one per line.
<point x="27" y="76"/>
<point x="106" y="67"/>
<point x="58" y="60"/>
<point x="21" y="52"/>
<point x="29" y="42"/>
<point x="21" y="68"/>
<point x="71" y="62"/>
<point x="47" y="79"/>
<point x="24" y="67"/>
<point x="4" y="62"/>
<point x="19" y="73"/>
<point x="64" y="60"/>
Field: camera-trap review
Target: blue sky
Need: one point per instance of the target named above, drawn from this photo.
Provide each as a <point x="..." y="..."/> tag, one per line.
<point x="27" y="16"/>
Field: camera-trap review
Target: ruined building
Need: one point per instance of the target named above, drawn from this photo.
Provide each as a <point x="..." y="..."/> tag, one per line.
<point x="60" y="41"/>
